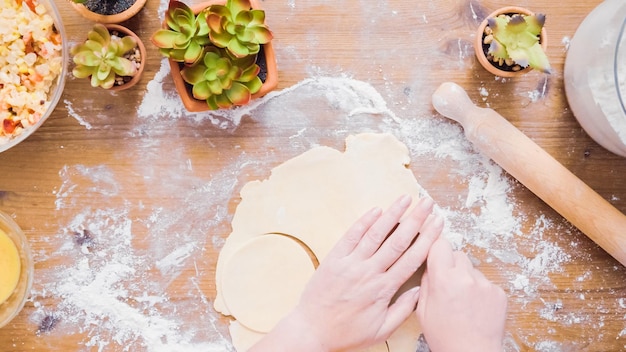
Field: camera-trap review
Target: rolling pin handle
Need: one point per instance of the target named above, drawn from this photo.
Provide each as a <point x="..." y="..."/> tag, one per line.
<point x="452" y="101"/>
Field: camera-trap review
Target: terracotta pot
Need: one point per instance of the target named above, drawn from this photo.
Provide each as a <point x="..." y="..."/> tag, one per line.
<point x="116" y="18"/>
<point x="184" y="90"/>
<point x="480" y="34"/>
<point x="142" y="50"/>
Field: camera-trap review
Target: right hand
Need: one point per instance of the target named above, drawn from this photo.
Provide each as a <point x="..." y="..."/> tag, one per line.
<point x="347" y="305"/>
<point x="458" y="308"/>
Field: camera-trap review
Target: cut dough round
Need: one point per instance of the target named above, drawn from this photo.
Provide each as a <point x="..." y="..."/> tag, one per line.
<point x="243" y="338"/>
<point x="263" y="280"/>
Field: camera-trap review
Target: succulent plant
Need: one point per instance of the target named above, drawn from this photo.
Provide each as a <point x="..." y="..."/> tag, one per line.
<point x="223" y="81"/>
<point x="515" y="39"/>
<point x="186" y="36"/>
<point x="219" y="47"/>
<point x="238" y="28"/>
<point x="101" y="56"/>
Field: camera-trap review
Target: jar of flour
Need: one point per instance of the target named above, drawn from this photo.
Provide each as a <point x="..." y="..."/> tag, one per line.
<point x="595" y="75"/>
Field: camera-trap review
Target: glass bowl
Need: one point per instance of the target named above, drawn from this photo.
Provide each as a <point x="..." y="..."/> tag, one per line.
<point x="14" y="304"/>
<point x="54" y="95"/>
<point x="595" y="75"/>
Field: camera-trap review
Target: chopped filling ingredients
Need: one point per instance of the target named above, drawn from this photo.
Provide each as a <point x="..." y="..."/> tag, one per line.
<point x="30" y="62"/>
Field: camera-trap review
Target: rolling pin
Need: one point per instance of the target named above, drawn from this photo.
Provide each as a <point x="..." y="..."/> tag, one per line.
<point x="523" y="159"/>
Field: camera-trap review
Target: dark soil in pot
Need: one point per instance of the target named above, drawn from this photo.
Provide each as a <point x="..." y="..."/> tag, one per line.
<point x="262" y="62"/>
<point x="504" y="66"/>
<point x="108" y="7"/>
<point x="501" y="66"/>
<point x="134" y="56"/>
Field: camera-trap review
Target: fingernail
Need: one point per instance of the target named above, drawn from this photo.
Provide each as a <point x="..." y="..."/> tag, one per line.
<point x="405" y="200"/>
<point x="433" y="221"/>
<point x="416" y="292"/>
<point x="438" y="220"/>
<point x="427" y="203"/>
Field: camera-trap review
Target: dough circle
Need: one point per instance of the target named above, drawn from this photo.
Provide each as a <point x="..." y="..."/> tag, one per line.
<point x="263" y="280"/>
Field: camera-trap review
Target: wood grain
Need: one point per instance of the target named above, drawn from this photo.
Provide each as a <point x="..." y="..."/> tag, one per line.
<point x="405" y="50"/>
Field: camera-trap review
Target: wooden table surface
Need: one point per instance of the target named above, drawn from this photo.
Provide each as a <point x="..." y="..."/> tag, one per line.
<point x="154" y="188"/>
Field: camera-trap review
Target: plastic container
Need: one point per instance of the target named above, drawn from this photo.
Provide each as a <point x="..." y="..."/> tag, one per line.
<point x="14" y="304"/>
<point x="595" y="75"/>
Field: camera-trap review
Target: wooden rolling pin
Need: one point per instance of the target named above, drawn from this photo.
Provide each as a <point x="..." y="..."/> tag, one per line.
<point x="494" y="136"/>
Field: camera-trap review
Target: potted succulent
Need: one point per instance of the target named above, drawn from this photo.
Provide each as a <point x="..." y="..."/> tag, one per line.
<point x="112" y="57"/>
<point x="108" y="11"/>
<point x="512" y="41"/>
<point x="220" y="53"/>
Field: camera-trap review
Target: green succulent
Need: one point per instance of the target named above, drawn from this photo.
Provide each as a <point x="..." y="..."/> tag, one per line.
<point x="186" y="36"/>
<point x="223" y="81"/>
<point x="101" y="56"/>
<point x="218" y="47"/>
<point x="237" y="27"/>
<point x="516" y="38"/>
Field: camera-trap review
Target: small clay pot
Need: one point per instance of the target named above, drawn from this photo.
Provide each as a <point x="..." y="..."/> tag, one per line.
<point x="142" y="50"/>
<point x="480" y="34"/>
<point x="195" y="105"/>
<point x="116" y="18"/>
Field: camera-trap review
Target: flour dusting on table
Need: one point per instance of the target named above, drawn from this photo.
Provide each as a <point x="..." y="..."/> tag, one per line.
<point x="120" y="261"/>
<point x="112" y="293"/>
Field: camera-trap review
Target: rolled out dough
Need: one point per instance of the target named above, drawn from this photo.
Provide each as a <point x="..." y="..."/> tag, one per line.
<point x="314" y="197"/>
<point x="244" y="338"/>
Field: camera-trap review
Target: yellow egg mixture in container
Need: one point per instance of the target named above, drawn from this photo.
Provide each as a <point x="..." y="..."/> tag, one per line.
<point x="16" y="269"/>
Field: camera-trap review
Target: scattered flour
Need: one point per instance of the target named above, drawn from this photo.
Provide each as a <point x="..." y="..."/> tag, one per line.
<point x="548" y="346"/>
<point x="70" y="110"/>
<point x="168" y="103"/>
<point x="534" y="95"/>
<point x="107" y="288"/>
<point x="121" y="261"/>
<point x="566" y="42"/>
<point x="538" y="94"/>
<point x="176" y="258"/>
<point x="474" y="14"/>
<point x="117" y="266"/>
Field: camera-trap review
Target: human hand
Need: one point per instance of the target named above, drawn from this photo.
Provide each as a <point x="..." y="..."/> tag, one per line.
<point x="346" y="304"/>
<point x="458" y="308"/>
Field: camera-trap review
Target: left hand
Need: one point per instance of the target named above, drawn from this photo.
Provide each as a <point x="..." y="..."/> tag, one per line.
<point x="346" y="304"/>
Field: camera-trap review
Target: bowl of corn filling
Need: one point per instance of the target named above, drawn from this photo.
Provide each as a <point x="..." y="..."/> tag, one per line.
<point x="33" y="65"/>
